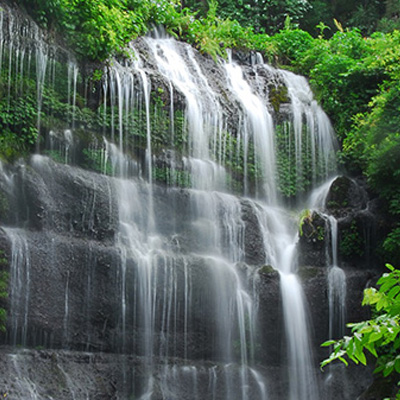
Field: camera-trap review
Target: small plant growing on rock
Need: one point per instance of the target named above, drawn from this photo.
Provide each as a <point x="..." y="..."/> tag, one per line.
<point x="305" y="217"/>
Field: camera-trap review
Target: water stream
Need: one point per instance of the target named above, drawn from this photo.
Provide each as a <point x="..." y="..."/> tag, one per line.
<point x="185" y="297"/>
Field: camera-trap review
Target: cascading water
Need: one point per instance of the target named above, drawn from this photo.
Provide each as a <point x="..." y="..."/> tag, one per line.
<point x="257" y="125"/>
<point x="175" y="267"/>
<point x="336" y="288"/>
<point x="336" y="276"/>
<point x="20" y="286"/>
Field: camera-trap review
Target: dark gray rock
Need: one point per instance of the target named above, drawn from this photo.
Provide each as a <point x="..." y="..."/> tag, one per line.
<point x="254" y="246"/>
<point x="313" y="240"/>
<point x="345" y="197"/>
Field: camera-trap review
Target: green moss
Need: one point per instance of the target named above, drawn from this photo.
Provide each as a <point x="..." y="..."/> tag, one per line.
<point x="320" y="233"/>
<point x="312" y="225"/>
<point x="305" y="216"/>
<point x="267" y="269"/>
<point x="306" y="273"/>
<point x="277" y="96"/>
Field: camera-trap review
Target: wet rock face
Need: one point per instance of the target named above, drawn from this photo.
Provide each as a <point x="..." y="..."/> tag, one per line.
<point x="358" y="217"/>
<point x="67" y="222"/>
<point x="65" y="295"/>
<point x="254" y="246"/>
<point x="68" y="200"/>
<point x="345" y="197"/>
<point x="314" y="281"/>
<point x="80" y="375"/>
<point x="313" y="240"/>
<point x="357" y="224"/>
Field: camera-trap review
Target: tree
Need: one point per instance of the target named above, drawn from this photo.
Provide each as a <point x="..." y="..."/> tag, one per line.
<point x="265" y="16"/>
<point x="379" y="335"/>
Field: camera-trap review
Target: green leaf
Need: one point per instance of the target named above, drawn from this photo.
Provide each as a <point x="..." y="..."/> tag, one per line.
<point x="371" y="348"/>
<point x="344" y="361"/>
<point x="389" y="266"/>
<point x="328" y="343"/>
<point x="393" y="292"/>
<point x="361" y="357"/>
<point x="375" y="336"/>
<point x="388" y="369"/>
<point x="397" y="364"/>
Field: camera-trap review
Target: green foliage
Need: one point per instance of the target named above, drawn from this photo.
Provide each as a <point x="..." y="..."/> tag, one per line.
<point x="305" y="216"/>
<point x="356" y="79"/>
<point x="98" y="28"/>
<point x="213" y="35"/>
<point x="265" y="16"/>
<point x="351" y="242"/>
<point x="390" y="20"/>
<point x="391" y="244"/>
<point x="289" y="45"/>
<point x="18" y="120"/>
<point x="171" y="176"/>
<point x="296" y="169"/>
<point x="3" y="284"/>
<point x="372" y="145"/>
<point x="94" y="160"/>
<point x="336" y="70"/>
<point x="380" y="336"/>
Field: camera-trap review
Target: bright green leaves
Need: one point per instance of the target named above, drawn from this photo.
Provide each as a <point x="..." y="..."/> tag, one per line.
<point x="263" y="15"/>
<point x="389" y="293"/>
<point x="357" y="80"/>
<point x="98" y="28"/>
<point x="391" y="243"/>
<point x="213" y="35"/>
<point x="18" y="130"/>
<point x="380" y="335"/>
<point x="290" y="45"/>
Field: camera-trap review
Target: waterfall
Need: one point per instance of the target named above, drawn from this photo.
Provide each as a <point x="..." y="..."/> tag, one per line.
<point x="158" y="245"/>
<point x="257" y="123"/>
<point x="280" y="245"/>
<point x="26" y="55"/>
<point x="337" y="286"/>
<point x="20" y="267"/>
